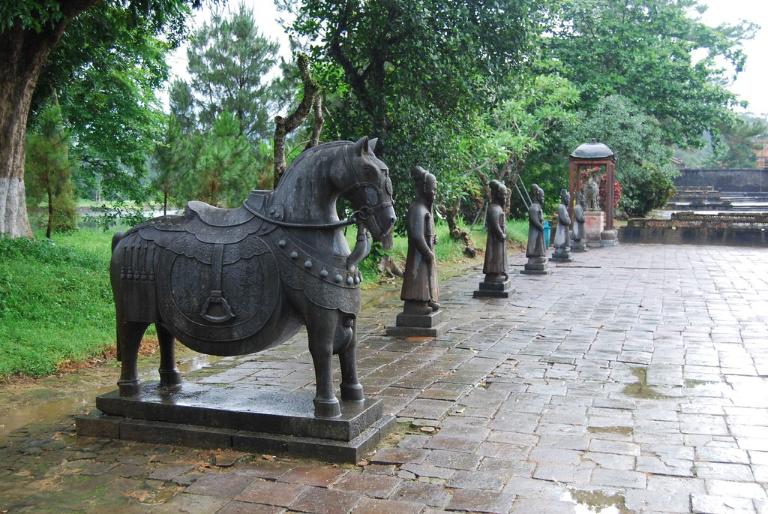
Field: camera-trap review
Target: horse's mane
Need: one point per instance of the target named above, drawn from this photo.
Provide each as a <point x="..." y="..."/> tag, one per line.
<point x="312" y="151"/>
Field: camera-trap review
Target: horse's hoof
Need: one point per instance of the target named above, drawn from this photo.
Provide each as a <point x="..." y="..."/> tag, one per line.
<point x="128" y="387"/>
<point x="327" y="408"/>
<point x="352" y="393"/>
<point x="170" y="378"/>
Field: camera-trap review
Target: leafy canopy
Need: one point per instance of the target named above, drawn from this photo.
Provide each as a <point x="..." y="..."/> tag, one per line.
<point x="229" y="61"/>
<point x="647" y="50"/>
<point x="643" y="163"/>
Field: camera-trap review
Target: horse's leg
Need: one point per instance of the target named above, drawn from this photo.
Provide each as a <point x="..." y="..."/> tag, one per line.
<point x="346" y="343"/>
<point x="129" y="336"/>
<point x="169" y="375"/>
<point x="321" y="328"/>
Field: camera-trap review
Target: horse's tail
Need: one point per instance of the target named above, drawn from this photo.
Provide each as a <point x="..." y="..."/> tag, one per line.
<point x="115" y="240"/>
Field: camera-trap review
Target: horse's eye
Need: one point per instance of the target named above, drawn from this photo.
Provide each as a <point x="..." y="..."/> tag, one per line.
<point x="372" y="195"/>
<point x="388" y="186"/>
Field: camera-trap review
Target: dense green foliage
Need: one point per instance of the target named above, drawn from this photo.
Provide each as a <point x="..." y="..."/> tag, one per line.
<point x="416" y="75"/>
<point x="228" y="63"/>
<point x="643" y="165"/>
<point x="215" y="145"/>
<point x="442" y="87"/>
<point x="737" y="141"/>
<point x="645" y="50"/>
<point x="105" y="72"/>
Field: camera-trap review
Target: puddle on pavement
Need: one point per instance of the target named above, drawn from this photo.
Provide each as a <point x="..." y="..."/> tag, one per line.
<point x="595" y="502"/>
<point x="52" y="398"/>
<point x="610" y="430"/>
<point x="691" y="382"/>
<point x="641" y="389"/>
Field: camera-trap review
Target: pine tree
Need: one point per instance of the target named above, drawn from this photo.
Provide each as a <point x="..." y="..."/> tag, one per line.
<point x="48" y="170"/>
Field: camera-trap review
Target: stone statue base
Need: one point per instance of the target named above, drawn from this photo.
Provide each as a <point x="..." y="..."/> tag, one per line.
<point x="206" y="416"/>
<point x="536" y="266"/>
<point x="493" y="289"/>
<point x="594" y="223"/>
<point x="609" y="238"/>
<point x="561" y="255"/>
<point x="417" y="325"/>
<point x="578" y="246"/>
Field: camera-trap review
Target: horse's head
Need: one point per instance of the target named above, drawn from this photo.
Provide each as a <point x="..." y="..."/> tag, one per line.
<point x="368" y="188"/>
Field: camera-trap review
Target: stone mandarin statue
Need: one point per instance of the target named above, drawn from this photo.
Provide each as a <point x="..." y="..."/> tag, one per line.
<point x="536" y="251"/>
<point x="420" y="289"/>
<point x="562" y="234"/>
<point x="495" y="265"/>
<point x="579" y="243"/>
<point x="496" y="281"/>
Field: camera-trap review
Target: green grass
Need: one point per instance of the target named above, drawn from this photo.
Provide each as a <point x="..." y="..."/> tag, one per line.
<point x="55" y="301"/>
<point x="517" y="230"/>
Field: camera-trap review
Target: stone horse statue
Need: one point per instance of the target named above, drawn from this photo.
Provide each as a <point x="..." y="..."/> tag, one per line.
<point x="237" y="281"/>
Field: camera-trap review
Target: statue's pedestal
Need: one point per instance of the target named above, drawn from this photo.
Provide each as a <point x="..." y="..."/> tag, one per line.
<point x="239" y="417"/>
<point x="417" y="325"/>
<point x="493" y="289"/>
<point x="594" y="224"/>
<point x="578" y="246"/>
<point x="609" y="238"/>
<point x="561" y="255"/>
<point x="536" y="266"/>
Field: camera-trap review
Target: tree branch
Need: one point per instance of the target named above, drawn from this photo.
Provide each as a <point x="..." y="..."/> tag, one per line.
<point x="284" y="126"/>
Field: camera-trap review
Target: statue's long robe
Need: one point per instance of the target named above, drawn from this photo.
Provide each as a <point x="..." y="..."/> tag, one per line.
<point x="495" y="251"/>
<point x="420" y="276"/>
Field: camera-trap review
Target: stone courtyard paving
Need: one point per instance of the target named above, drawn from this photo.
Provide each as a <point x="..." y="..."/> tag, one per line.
<point x="634" y="379"/>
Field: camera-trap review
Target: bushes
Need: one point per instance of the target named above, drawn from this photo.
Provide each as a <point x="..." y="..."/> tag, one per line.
<point x="645" y="188"/>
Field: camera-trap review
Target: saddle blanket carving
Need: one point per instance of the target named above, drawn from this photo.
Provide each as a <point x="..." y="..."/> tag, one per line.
<point x="225" y="289"/>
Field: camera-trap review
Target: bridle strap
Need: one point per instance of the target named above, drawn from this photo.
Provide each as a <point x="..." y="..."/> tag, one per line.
<point x="320" y="226"/>
<point x="357" y="217"/>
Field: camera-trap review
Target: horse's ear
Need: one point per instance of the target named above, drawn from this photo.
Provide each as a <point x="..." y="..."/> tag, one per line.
<point x="361" y="146"/>
<point x="372" y="144"/>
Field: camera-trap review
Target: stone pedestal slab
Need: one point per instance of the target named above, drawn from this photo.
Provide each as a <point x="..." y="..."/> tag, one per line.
<point x="594" y="224"/>
<point x="536" y="266"/>
<point x="417" y="325"/>
<point x="238" y="417"/>
<point x="492" y="289"/>
<point x="578" y="246"/>
<point x="609" y="238"/>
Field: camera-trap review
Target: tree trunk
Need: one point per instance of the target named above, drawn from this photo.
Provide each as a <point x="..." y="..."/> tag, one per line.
<point x="23" y="53"/>
<point x="284" y="126"/>
<point x="451" y="217"/>
<point x="17" y="83"/>
<point x="317" y="122"/>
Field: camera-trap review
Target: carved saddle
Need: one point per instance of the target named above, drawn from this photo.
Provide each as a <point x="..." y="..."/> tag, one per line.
<point x="210" y="272"/>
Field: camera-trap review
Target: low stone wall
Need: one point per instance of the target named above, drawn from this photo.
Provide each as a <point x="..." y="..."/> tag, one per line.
<point x="745" y="180"/>
<point x="690" y="228"/>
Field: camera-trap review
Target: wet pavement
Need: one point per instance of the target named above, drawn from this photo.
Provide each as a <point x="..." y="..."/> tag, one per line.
<point x="634" y="379"/>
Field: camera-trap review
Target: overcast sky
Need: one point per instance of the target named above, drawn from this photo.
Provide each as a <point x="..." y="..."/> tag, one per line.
<point x="751" y="84"/>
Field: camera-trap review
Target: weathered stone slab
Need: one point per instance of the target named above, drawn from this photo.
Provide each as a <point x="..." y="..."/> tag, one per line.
<point x="492" y="290"/>
<point x="159" y="432"/>
<point x="417" y="325"/>
<point x="240" y="407"/>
